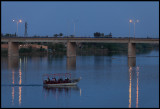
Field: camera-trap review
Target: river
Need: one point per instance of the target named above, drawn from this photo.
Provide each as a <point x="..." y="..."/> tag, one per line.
<point x="106" y="81"/>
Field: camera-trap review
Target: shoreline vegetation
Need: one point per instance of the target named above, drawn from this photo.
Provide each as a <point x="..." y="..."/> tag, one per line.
<point x="84" y="49"/>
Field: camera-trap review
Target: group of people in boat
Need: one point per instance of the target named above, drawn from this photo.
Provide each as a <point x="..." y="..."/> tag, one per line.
<point x="54" y="80"/>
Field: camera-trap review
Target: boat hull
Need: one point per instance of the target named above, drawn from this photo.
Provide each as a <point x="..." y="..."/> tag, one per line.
<point x="61" y="84"/>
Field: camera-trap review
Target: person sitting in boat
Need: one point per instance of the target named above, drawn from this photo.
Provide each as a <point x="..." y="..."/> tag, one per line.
<point x="67" y="79"/>
<point x="54" y="79"/>
<point x="60" y="80"/>
<point x="48" y="79"/>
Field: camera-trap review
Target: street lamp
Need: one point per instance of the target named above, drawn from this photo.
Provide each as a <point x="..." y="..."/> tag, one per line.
<point x="130" y="21"/>
<point x="134" y="26"/>
<point x="19" y="21"/>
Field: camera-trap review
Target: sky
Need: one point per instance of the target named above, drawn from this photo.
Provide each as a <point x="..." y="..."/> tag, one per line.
<point x="81" y="18"/>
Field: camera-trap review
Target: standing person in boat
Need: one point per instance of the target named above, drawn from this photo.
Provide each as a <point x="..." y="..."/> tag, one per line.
<point x="48" y="79"/>
<point x="67" y="79"/>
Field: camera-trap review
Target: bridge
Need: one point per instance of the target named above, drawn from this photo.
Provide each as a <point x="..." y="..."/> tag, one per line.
<point x="13" y="43"/>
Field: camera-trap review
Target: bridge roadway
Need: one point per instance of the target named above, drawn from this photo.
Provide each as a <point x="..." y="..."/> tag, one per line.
<point x="13" y="43"/>
<point x="80" y="40"/>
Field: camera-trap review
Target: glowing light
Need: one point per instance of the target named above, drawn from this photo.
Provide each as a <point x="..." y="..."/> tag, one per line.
<point x="20" y="21"/>
<point x="130" y="21"/>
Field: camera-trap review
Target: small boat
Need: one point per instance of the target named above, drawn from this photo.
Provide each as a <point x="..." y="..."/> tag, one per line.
<point x="58" y="80"/>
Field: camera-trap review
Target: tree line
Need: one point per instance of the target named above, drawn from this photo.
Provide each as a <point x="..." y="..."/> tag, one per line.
<point x="96" y="35"/>
<point x="101" y="35"/>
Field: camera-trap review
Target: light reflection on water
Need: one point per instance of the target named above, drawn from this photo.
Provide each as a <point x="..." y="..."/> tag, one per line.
<point x="102" y="67"/>
<point x="12" y="95"/>
<point x="132" y="70"/>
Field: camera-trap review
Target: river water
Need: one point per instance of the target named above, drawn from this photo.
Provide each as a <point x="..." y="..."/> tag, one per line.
<point x="106" y="81"/>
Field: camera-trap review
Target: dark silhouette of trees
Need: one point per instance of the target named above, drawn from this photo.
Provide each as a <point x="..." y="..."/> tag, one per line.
<point x="60" y="34"/>
<point x="101" y="35"/>
<point x="8" y="35"/>
<point x="98" y="34"/>
<point x="55" y="35"/>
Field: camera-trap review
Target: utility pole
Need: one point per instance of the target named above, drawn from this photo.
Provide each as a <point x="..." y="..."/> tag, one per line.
<point x="74" y="30"/>
<point x="25" y="33"/>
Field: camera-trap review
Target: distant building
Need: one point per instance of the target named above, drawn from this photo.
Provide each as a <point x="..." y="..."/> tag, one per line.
<point x="25" y="33"/>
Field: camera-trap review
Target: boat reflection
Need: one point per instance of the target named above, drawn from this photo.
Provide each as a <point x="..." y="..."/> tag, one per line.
<point x="58" y="91"/>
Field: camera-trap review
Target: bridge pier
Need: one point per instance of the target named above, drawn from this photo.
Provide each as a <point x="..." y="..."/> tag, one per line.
<point x="13" y="49"/>
<point x="131" y="50"/>
<point x="71" y="49"/>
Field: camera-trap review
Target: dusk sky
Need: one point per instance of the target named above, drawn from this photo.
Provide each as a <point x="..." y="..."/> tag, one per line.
<point x="49" y="18"/>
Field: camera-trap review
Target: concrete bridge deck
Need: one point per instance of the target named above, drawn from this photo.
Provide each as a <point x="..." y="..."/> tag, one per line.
<point x="80" y="40"/>
<point x="13" y="43"/>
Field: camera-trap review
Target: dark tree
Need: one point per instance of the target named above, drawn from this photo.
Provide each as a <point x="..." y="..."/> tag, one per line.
<point x="60" y="34"/>
<point x="97" y="34"/>
<point x="110" y="34"/>
<point x="55" y="35"/>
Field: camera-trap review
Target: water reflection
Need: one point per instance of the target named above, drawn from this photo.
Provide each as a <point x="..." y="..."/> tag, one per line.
<point x="20" y="82"/>
<point x="13" y="62"/>
<point x="13" y="67"/>
<point x="13" y="87"/>
<point x="12" y="95"/>
<point x="131" y="62"/>
<point x="71" y="63"/>
<point x="130" y="71"/>
<point x="133" y="70"/>
<point x="20" y="93"/>
<point x="59" y="91"/>
<point x="137" y="69"/>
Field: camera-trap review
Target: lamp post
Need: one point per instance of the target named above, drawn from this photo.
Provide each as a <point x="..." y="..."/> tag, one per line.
<point x="130" y="21"/>
<point x="74" y="30"/>
<point x="134" y="26"/>
<point x="19" y="21"/>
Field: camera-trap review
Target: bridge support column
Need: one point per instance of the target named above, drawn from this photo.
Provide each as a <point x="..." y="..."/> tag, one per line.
<point x="71" y="49"/>
<point x="13" y="49"/>
<point x="131" y="50"/>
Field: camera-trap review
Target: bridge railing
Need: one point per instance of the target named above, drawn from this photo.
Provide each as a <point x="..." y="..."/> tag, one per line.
<point x="78" y="37"/>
